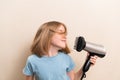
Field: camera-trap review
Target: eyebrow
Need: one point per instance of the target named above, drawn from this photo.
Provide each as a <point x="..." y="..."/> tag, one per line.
<point x="61" y="32"/>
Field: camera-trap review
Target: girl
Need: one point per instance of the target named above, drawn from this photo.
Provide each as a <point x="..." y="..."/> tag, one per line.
<point x="50" y="59"/>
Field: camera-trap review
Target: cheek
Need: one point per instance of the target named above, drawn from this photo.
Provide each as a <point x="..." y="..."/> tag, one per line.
<point x="55" y="41"/>
<point x="58" y="44"/>
<point x="55" y="38"/>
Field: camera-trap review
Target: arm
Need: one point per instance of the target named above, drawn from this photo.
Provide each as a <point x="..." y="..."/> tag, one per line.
<point x="74" y="76"/>
<point x="71" y="74"/>
<point x="78" y="75"/>
<point x="29" y="78"/>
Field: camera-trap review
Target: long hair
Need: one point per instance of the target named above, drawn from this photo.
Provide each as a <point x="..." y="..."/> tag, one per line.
<point x="41" y="42"/>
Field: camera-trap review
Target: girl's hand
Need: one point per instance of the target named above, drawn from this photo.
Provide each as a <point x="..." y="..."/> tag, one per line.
<point x="93" y="59"/>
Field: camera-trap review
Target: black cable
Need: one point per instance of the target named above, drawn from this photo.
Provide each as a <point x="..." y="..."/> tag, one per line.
<point x="83" y="75"/>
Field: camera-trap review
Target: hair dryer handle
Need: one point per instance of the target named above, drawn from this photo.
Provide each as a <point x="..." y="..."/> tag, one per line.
<point x="87" y="64"/>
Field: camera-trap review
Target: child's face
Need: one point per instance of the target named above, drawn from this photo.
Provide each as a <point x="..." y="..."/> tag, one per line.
<point x="59" y="38"/>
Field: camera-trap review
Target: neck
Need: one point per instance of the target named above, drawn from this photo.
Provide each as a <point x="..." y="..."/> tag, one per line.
<point x="52" y="51"/>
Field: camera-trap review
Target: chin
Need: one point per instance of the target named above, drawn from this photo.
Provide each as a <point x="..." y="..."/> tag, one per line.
<point x="63" y="47"/>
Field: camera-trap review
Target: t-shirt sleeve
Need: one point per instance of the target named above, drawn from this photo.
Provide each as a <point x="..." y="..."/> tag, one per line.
<point x="71" y="64"/>
<point x="28" y="69"/>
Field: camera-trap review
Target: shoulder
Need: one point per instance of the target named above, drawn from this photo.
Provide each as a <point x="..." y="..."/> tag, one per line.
<point x="32" y="58"/>
<point x="64" y="55"/>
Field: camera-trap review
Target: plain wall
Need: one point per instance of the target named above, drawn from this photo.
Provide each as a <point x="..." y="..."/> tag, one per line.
<point x="97" y="20"/>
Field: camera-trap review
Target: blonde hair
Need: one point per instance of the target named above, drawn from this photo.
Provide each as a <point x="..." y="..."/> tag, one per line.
<point x="43" y="37"/>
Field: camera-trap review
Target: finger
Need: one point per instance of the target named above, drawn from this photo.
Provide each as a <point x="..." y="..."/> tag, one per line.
<point x="93" y="59"/>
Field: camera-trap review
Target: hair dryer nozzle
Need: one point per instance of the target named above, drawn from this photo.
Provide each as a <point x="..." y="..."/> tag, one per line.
<point x="79" y="44"/>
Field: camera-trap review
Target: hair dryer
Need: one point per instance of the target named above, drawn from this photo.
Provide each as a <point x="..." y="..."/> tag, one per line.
<point x="91" y="48"/>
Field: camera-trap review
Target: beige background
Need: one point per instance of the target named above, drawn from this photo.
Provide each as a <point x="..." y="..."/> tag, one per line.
<point x="97" y="20"/>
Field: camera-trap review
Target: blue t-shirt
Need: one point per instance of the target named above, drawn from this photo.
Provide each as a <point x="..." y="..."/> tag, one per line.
<point x="49" y="68"/>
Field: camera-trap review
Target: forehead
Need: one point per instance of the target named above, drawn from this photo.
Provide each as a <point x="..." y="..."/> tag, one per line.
<point x="61" y="28"/>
